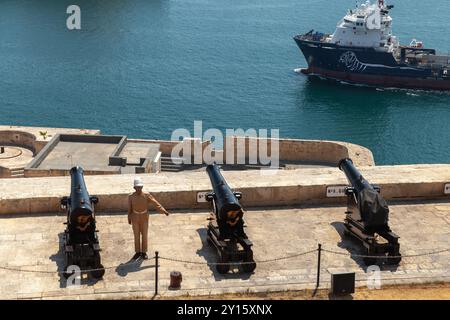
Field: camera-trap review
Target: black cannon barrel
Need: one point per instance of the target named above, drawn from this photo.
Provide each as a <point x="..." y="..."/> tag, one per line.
<point x="354" y="177"/>
<point x="80" y="202"/>
<point x="224" y="197"/>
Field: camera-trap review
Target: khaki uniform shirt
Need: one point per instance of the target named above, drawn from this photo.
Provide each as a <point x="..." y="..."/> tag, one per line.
<point x="138" y="203"/>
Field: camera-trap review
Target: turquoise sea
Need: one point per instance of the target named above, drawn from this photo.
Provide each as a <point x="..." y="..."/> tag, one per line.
<point x="146" y="67"/>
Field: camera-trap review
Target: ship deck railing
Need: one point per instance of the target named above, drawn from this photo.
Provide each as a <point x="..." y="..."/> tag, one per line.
<point x="434" y="66"/>
<point x="310" y="36"/>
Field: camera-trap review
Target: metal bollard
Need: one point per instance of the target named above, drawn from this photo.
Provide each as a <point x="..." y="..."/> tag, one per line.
<point x="319" y="253"/>
<point x="175" y="280"/>
<point x="156" y="271"/>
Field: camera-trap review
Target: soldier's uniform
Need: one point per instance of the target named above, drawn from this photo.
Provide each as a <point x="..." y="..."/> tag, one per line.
<point x="138" y="214"/>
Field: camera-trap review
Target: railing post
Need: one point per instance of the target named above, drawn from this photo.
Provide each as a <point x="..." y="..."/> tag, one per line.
<point x="319" y="253"/>
<point x="156" y="271"/>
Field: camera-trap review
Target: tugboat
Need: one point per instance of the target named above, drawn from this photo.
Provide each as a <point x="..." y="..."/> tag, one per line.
<point x="363" y="50"/>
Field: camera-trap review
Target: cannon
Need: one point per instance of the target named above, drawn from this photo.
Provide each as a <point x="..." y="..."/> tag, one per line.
<point x="367" y="218"/>
<point x="226" y="226"/>
<point x="80" y="241"/>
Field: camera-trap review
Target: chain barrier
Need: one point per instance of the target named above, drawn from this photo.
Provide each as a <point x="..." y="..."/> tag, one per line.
<point x="19" y="269"/>
<point x="238" y="263"/>
<point x="388" y="257"/>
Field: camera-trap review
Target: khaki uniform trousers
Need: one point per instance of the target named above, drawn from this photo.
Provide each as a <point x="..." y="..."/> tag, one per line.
<point x="139" y="222"/>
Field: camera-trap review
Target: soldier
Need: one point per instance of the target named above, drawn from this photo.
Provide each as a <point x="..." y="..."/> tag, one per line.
<point x="138" y="217"/>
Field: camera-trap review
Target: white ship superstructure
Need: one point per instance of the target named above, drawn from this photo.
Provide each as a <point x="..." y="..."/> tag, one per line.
<point x="369" y="25"/>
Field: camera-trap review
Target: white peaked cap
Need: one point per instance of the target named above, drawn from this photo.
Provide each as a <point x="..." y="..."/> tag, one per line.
<point x="138" y="182"/>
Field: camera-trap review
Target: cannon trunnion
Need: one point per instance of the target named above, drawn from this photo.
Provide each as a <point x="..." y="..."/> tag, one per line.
<point x="226" y="226"/>
<point x="81" y="246"/>
<point x="367" y="218"/>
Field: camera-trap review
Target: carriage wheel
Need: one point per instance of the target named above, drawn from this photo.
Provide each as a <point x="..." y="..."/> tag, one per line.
<point x="394" y="261"/>
<point x="69" y="262"/>
<point x="223" y="268"/>
<point x="369" y="261"/>
<point x="98" y="274"/>
<point x="249" y="266"/>
<point x="67" y="274"/>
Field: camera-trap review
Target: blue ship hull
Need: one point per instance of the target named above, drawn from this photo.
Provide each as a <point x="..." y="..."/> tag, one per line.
<point x="368" y="66"/>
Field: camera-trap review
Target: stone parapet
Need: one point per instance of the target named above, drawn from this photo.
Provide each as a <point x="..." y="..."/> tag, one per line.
<point x="259" y="188"/>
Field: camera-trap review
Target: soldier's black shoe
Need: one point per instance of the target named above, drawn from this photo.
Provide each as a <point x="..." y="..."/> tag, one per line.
<point x="144" y="256"/>
<point x="136" y="256"/>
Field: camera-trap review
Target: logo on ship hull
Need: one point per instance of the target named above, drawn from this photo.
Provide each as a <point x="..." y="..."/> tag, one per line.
<point x="351" y="62"/>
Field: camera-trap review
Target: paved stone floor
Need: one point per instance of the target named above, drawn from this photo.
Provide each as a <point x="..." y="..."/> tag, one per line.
<point x="33" y="243"/>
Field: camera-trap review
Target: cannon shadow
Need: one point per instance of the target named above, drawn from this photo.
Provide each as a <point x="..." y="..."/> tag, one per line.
<point x="354" y="247"/>
<point x="208" y="252"/>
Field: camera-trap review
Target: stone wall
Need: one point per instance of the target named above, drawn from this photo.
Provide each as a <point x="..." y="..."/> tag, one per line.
<point x="166" y="146"/>
<point x="18" y="138"/>
<point x="295" y="150"/>
<point x="179" y="190"/>
<point x="5" y="172"/>
<point x="314" y="151"/>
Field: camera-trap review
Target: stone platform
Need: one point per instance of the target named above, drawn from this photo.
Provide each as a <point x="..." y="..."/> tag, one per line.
<point x="24" y="143"/>
<point x="33" y="243"/>
<point x="15" y="157"/>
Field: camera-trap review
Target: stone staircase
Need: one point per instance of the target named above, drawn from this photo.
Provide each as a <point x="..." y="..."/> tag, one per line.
<point x="17" y="172"/>
<point x="168" y="165"/>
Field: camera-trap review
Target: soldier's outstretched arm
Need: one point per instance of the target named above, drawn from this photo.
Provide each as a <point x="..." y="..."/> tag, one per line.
<point x="157" y="205"/>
